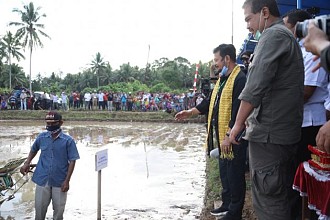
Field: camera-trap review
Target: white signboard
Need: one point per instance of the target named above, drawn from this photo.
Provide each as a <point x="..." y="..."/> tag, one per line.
<point x="101" y="159"/>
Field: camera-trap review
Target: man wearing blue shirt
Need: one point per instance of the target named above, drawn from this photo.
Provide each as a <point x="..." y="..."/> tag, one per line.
<point x="54" y="168"/>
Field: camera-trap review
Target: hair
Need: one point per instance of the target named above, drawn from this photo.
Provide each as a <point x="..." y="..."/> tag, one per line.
<point x="226" y="49"/>
<point x="297" y="15"/>
<point x="247" y="53"/>
<point x="257" y="5"/>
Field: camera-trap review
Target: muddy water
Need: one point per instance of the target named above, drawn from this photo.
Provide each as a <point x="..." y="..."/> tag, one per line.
<point x="155" y="171"/>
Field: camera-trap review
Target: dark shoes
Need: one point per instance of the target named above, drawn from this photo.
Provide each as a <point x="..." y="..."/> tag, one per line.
<point x="219" y="211"/>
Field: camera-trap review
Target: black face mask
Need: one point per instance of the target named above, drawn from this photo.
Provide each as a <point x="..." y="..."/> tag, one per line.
<point x="53" y="128"/>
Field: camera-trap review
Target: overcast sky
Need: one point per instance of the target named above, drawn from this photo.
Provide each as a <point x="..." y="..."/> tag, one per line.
<point x="121" y="31"/>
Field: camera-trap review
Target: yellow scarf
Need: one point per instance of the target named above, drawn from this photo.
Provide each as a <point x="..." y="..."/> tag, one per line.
<point x="225" y="106"/>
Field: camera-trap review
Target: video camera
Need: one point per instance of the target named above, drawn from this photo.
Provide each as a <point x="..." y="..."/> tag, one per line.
<point x="322" y="22"/>
<point x="206" y="86"/>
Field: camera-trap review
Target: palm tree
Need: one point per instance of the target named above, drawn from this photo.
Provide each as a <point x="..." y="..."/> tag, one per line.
<point x="12" y="48"/>
<point x="2" y="54"/>
<point x="29" y="28"/>
<point x="97" y="66"/>
<point x="107" y="75"/>
<point x="18" y="75"/>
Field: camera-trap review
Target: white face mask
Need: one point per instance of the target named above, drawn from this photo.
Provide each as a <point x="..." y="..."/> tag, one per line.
<point x="258" y="33"/>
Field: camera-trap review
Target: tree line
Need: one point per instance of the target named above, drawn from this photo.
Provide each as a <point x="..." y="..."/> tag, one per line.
<point x="162" y="75"/>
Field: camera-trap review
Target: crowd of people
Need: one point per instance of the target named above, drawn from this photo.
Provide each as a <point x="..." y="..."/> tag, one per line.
<point x="103" y="100"/>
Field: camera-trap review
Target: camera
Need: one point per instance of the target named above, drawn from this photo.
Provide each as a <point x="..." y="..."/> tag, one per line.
<point x="205" y="86"/>
<point x="322" y="22"/>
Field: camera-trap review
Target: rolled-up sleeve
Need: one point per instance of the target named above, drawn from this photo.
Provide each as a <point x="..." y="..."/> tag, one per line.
<point x="264" y="66"/>
<point x="203" y="107"/>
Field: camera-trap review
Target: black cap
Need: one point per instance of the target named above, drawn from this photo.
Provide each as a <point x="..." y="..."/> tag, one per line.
<point x="53" y="117"/>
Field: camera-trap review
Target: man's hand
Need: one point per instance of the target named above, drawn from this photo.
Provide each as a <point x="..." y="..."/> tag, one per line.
<point x="225" y="146"/>
<point x="25" y="168"/>
<point x="183" y="115"/>
<point x="65" y="186"/>
<point x="235" y="131"/>
<point x="323" y="138"/>
<point x="316" y="40"/>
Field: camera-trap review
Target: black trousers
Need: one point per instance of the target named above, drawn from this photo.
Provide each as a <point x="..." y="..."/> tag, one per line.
<point x="232" y="175"/>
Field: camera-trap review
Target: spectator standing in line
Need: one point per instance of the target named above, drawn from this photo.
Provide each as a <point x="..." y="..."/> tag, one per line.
<point x="110" y="101"/>
<point x="100" y="97"/>
<point x="129" y="101"/>
<point x="71" y="100"/>
<point x="23" y="98"/>
<point x="94" y="100"/>
<point x="87" y="98"/>
<point x="64" y="101"/>
<point x="13" y="102"/>
<point x="123" y="101"/>
<point x="272" y="101"/>
<point x="76" y="97"/>
<point x="105" y="100"/>
<point x="81" y="100"/>
<point x="55" y="101"/>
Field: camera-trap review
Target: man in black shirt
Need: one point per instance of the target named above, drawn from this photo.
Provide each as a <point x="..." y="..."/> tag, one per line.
<point x="224" y="98"/>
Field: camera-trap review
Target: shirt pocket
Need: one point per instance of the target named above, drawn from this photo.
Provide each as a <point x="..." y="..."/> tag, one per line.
<point x="45" y="150"/>
<point x="269" y="180"/>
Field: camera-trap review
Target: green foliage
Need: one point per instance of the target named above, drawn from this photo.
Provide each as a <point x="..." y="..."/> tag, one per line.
<point x="128" y="87"/>
<point x="5" y="91"/>
<point x="18" y="77"/>
<point x="160" y="87"/>
<point x="163" y="75"/>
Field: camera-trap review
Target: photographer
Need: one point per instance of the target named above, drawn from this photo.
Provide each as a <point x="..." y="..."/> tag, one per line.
<point x="224" y="99"/>
<point x="315" y="92"/>
<point x="315" y="88"/>
<point x="318" y="43"/>
<point x="245" y="57"/>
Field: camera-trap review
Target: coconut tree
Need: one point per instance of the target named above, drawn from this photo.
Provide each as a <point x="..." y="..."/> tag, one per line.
<point x="12" y="48"/>
<point x="29" y="29"/>
<point x="97" y="66"/>
<point x="2" y="54"/>
<point x="107" y="75"/>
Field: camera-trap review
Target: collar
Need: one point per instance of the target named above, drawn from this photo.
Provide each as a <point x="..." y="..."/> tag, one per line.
<point x="56" y="135"/>
<point x="277" y="21"/>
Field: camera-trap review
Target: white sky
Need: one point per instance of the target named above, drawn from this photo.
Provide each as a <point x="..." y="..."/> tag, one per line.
<point x="121" y="31"/>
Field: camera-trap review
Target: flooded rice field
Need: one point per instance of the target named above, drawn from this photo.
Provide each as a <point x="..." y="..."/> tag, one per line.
<point x="155" y="170"/>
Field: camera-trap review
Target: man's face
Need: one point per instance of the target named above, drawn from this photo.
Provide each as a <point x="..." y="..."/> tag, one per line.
<point x="218" y="61"/>
<point x="252" y="20"/>
<point x="246" y="60"/>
